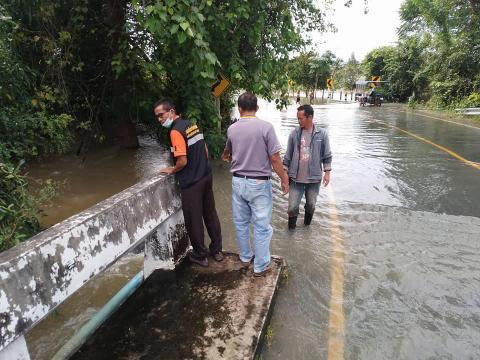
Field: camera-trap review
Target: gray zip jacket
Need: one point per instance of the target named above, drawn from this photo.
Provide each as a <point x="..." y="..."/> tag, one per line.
<point x="320" y="154"/>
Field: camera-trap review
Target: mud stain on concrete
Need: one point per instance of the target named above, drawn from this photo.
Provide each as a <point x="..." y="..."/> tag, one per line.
<point x="191" y="313"/>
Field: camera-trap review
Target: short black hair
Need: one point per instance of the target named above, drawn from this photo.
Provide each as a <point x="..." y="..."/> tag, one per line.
<point x="307" y="109"/>
<point x="247" y="101"/>
<point x="165" y="103"/>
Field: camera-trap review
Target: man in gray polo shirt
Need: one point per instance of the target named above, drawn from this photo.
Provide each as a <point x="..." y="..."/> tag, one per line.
<point x="253" y="149"/>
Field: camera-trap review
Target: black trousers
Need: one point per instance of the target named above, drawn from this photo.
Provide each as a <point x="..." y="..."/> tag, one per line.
<point x="198" y="205"/>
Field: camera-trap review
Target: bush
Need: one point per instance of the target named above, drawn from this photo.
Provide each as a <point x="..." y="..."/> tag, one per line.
<point x="412" y="103"/>
<point x="216" y="143"/>
<point x="27" y="134"/>
<point x="30" y="125"/>
<point x="473" y="100"/>
<point x="18" y="209"/>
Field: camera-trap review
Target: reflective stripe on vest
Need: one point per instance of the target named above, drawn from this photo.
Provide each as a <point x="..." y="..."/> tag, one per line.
<point x="194" y="139"/>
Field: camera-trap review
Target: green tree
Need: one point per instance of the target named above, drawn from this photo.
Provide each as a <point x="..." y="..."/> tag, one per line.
<point x="86" y="52"/>
<point x="29" y="121"/>
<point x="452" y="57"/>
<point x="309" y="71"/>
<point x="106" y="62"/>
<point x="248" y="41"/>
<point x="437" y="58"/>
<point x="348" y="74"/>
<point x="375" y="61"/>
<point x="406" y="69"/>
<point x="300" y="68"/>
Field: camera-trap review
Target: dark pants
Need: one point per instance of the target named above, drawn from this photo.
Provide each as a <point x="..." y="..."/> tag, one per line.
<point x="295" y="195"/>
<point x="198" y="206"/>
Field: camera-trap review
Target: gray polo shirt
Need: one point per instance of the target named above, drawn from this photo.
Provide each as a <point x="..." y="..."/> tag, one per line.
<point x="251" y="142"/>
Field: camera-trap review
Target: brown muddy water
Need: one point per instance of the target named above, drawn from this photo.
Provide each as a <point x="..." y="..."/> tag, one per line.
<point x="389" y="268"/>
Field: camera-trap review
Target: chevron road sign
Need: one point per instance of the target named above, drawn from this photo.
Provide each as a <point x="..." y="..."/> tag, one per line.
<point x="220" y="85"/>
<point x="375" y="81"/>
<point x="329" y="83"/>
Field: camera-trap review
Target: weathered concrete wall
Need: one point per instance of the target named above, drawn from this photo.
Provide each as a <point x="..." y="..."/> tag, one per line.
<point x="39" y="274"/>
<point x="166" y="245"/>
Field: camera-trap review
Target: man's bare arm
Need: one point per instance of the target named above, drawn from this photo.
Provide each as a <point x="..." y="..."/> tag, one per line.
<point x="326" y="178"/>
<point x="226" y="155"/>
<point x="181" y="162"/>
<point x="277" y="165"/>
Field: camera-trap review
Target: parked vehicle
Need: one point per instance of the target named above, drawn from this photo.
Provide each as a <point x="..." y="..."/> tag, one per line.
<point x="375" y="100"/>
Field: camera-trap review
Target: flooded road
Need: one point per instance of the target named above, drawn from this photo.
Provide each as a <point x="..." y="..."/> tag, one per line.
<point x="389" y="268"/>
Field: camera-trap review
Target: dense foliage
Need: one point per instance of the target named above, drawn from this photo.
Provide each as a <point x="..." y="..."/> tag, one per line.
<point x="249" y="41"/>
<point x="30" y="124"/>
<point x="348" y="74"/>
<point x="77" y="72"/>
<point x="17" y="210"/>
<point x="437" y="58"/>
<point x="309" y="71"/>
<point x="104" y="63"/>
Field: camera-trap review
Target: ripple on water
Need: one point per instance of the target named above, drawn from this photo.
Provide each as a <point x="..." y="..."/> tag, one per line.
<point x="411" y="273"/>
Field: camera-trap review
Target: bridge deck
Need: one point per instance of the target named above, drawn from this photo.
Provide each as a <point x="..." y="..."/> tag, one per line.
<point x="192" y="313"/>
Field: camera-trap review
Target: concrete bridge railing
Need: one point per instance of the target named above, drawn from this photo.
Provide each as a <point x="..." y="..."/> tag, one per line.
<point x="38" y="275"/>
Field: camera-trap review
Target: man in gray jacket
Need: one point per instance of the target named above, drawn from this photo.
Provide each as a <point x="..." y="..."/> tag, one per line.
<point x="308" y="155"/>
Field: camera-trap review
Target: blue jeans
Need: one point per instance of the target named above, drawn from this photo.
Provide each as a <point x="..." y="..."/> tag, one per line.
<point x="295" y="194"/>
<point x="252" y="204"/>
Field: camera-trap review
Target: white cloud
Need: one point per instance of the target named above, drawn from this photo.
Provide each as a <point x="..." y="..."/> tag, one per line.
<point x="359" y="32"/>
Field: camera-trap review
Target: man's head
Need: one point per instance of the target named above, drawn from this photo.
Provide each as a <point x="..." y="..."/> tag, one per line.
<point x="164" y="111"/>
<point x="305" y="116"/>
<point x="247" y="103"/>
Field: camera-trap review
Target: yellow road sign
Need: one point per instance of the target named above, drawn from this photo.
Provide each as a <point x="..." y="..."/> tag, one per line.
<point x="374" y="82"/>
<point x="329" y="83"/>
<point x="220" y="85"/>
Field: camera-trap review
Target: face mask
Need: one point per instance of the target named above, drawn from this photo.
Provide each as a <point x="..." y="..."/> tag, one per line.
<point x="167" y="123"/>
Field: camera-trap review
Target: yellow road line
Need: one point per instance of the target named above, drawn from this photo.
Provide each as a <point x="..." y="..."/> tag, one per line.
<point x="336" y="326"/>
<point x="437" y="118"/>
<point x="443" y="148"/>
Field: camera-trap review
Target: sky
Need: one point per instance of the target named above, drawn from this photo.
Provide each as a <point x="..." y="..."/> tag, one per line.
<point x="358" y="32"/>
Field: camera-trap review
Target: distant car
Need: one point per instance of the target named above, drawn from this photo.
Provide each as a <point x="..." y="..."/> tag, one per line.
<point x="374" y="100"/>
<point x="358" y="96"/>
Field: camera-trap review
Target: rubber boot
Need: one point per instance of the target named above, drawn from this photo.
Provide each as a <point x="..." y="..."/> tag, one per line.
<point x="292" y="222"/>
<point x="308" y="218"/>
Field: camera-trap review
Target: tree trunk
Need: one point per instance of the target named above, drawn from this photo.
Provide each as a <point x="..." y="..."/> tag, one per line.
<point x="122" y="124"/>
<point x="217" y="106"/>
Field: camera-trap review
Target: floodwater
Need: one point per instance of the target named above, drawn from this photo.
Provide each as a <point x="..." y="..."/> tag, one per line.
<point x="389" y="268"/>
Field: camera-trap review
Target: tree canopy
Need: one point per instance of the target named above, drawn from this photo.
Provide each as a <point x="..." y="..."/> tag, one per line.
<point x="309" y="71"/>
<point x="437" y="58"/>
